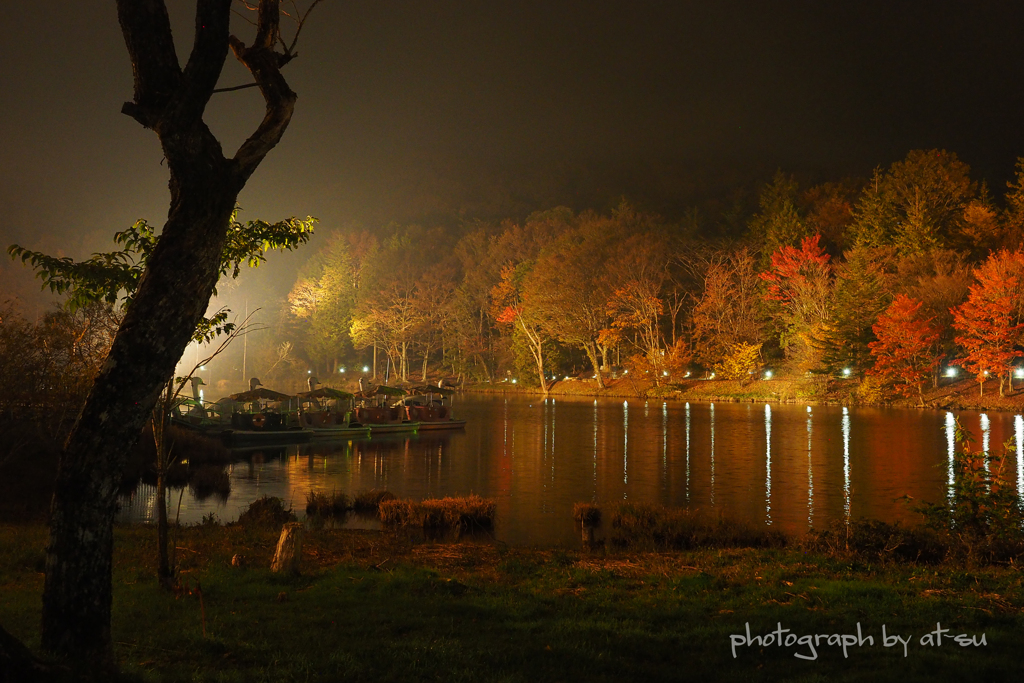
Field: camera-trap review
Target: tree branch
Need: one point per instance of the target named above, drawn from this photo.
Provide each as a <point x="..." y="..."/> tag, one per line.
<point x="205" y="63"/>
<point x="236" y="87"/>
<point x="147" y="35"/>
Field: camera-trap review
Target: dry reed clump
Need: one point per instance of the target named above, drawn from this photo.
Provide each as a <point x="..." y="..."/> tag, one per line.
<point x="323" y="504"/>
<point x="440" y="514"/>
<point x="266" y="511"/>
<point x="643" y="526"/>
<point x="586" y="514"/>
<point x="369" y="501"/>
<point x="396" y="513"/>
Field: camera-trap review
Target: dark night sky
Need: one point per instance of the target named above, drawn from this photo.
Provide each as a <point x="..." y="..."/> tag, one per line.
<point x="418" y="111"/>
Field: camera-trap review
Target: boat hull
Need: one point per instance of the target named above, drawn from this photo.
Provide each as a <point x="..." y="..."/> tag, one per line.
<point x="338" y="432"/>
<point x="234" y="438"/>
<point x="442" y="424"/>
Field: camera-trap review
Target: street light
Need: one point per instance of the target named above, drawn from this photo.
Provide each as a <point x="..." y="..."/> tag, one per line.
<point x="767" y="374"/>
<point x="846" y="372"/>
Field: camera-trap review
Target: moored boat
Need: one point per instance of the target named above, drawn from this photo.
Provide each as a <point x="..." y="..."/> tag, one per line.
<point x="373" y="412"/>
<point x="430" y="406"/>
<point x="267" y="420"/>
<point x="327" y="413"/>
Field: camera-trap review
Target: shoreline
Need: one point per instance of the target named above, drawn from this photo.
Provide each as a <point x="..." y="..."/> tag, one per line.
<point x="954" y="396"/>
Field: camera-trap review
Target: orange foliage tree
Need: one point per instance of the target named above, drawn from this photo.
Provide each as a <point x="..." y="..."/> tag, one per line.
<point x="902" y="354"/>
<point x="801" y="281"/>
<point x="989" y="322"/>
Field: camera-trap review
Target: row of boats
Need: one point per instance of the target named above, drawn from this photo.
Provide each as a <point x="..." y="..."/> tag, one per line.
<point x="261" y="416"/>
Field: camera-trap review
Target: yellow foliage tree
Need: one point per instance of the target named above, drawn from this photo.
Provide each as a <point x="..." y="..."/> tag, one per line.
<point x="743" y="361"/>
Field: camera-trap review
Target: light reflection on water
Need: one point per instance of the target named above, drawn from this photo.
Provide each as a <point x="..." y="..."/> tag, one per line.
<point x="786" y="466"/>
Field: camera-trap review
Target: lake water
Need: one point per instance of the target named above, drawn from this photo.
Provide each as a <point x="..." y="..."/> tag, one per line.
<point x="789" y="466"/>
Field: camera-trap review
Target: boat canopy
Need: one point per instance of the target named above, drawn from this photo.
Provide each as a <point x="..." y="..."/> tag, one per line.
<point x="259" y="394"/>
<point x="325" y="392"/>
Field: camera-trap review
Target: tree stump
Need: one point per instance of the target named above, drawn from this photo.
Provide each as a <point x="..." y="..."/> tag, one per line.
<point x="289" y="549"/>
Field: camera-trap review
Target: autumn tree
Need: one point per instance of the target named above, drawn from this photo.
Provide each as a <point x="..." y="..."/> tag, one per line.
<point x="799" y="283"/>
<point x="172" y="296"/>
<point x="324" y="297"/>
<point x="903" y="349"/>
<point x="742" y="362"/>
<point x="636" y="306"/>
<point x="989" y="323"/>
<point x="433" y="299"/>
<point x="730" y="309"/>
<point x="512" y="308"/>
<point x="569" y="288"/>
<point x="940" y="280"/>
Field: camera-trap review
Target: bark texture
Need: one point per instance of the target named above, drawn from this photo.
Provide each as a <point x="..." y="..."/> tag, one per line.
<point x="171" y="298"/>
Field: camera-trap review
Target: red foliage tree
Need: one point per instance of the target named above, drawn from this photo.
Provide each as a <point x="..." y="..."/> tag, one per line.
<point x="902" y="352"/>
<point x="989" y="321"/>
<point x="801" y="281"/>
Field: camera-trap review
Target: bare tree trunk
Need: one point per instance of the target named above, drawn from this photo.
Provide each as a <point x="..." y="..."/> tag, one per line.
<point x="374" y="375"/>
<point x="426" y="356"/>
<point x="539" y="355"/>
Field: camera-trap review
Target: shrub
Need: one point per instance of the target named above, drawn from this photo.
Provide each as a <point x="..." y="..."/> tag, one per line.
<point x="644" y="526"/>
<point x="323" y="504"/>
<point x="983" y="518"/>
<point x="266" y="512"/>
<point x="369" y="501"/>
<point x="871" y="539"/>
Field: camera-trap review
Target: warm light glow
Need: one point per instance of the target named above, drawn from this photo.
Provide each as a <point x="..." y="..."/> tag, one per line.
<point x="1019" y="373"/>
<point x="342" y="370"/>
<point x="712" y="375"/>
<point x="846" y="372"/>
<point x="950" y="372"/>
<point x="513" y="381"/>
<point x="309" y="372"/>
<point x="665" y="373"/>
<point x="202" y="367"/>
<point x="366" y="368"/>
<point x="767" y="374"/>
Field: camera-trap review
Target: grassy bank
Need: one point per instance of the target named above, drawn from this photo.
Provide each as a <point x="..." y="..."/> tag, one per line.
<point x="373" y="606"/>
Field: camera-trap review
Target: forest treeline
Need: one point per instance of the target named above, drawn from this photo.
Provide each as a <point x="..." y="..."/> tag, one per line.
<point x="888" y="279"/>
<point x="891" y="280"/>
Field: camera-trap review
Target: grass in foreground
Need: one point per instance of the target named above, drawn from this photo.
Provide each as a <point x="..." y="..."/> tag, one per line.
<point x="376" y="607"/>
